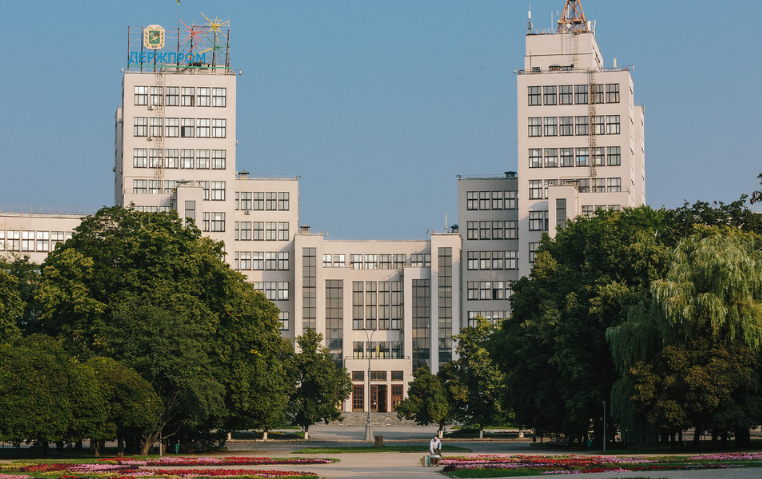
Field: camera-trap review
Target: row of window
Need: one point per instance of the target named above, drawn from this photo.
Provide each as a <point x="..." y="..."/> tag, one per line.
<point x="492" y="260"/>
<point x="488" y="290"/>
<point x="261" y="260"/>
<point x="488" y="315"/>
<point x="358" y="397"/>
<point x="260" y="201"/>
<point x="213" y="190"/>
<point x="261" y="231"/>
<point x="377" y="350"/>
<point x="573" y="94"/>
<point x="180" y="96"/>
<point x="152" y="209"/>
<point x="492" y="230"/>
<point x="538" y="190"/>
<point x="588" y="210"/>
<point x="569" y="157"/>
<point x="495" y="200"/>
<point x="576" y="125"/>
<point x="153" y="127"/>
<point x="376" y="261"/>
<point x="24" y="240"/>
<point x="214" y="221"/>
<point x="179" y="158"/>
<point x="375" y="375"/>
<point x="377" y="305"/>
<point x="273" y="290"/>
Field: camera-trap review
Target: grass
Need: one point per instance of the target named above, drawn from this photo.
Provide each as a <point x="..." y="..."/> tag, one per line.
<point x="367" y="449"/>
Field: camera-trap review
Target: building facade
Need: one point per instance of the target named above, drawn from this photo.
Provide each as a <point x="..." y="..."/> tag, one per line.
<point x="384" y="307"/>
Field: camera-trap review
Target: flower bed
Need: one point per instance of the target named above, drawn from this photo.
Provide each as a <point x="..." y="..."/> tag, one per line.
<point x="585" y="464"/>
<point x="215" y="461"/>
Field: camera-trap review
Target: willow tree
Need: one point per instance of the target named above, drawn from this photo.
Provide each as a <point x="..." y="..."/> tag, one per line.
<point x="709" y="303"/>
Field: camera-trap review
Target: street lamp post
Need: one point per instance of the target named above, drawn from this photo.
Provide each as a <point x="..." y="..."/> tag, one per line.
<point x="604" y="426"/>
<point x="368" y="425"/>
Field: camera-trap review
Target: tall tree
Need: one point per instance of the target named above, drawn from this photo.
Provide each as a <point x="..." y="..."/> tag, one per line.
<point x="11" y="306"/>
<point x="428" y="400"/>
<point x="320" y="385"/>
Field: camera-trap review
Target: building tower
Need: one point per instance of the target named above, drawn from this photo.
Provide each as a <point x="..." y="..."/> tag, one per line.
<point x="580" y="134"/>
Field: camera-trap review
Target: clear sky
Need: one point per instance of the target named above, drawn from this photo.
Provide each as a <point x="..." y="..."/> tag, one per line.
<point x="378" y="105"/>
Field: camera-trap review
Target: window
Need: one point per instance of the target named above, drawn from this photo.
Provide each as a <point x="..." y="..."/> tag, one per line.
<point x="612" y="124"/>
<point x="485" y="290"/>
<point x="283" y="321"/>
<point x="384" y="261"/>
<point x="13" y="242"/>
<point x="565" y="97"/>
<point x="371" y="261"/>
<point x="484" y="230"/>
<point x="485" y="260"/>
<point x="218" y="191"/>
<point x="537" y="221"/>
<point x="188" y="94"/>
<point x="566" y="125"/>
<point x="497" y="200"/>
<point x="472" y="200"/>
<point x="614" y="185"/>
<point x="272" y="201"/>
<point x="219" y="96"/>
<point x="338" y="261"/>
<point x="582" y="124"/>
<point x="599" y="125"/>
<point x="173" y="158"/>
<point x="399" y="262"/>
<point x="358" y="308"/>
<point x="245" y="260"/>
<point x="612" y="93"/>
<point x="498" y="290"/>
<point x="282" y="291"/>
<point x="169" y="185"/>
<point x="535" y="126"/>
<point x="567" y="157"/>
<point x="551" y="126"/>
<point x="173" y="96"/>
<point x="43" y="241"/>
<point x="371" y="301"/>
<point x="219" y="128"/>
<point x="583" y="185"/>
<point x="202" y="159"/>
<point x="511" y="260"/>
<point x="172" y="127"/>
<point x="535" y="189"/>
<point x="599" y="156"/>
<point x="246" y="231"/>
<point x="484" y="202"/>
<point x="271" y="231"/>
<point x="535" y="158"/>
<point x="218" y="159"/>
<point x="358" y="398"/>
<point x="472" y="290"/>
<point x="535" y="96"/>
<point x="141" y="126"/>
<point x="473" y="260"/>
<point x="27" y="241"/>
<point x="259" y="201"/>
<point x="599" y="185"/>
<point x="283" y="231"/>
<point x="580" y="94"/>
<point x="597" y="95"/>
<point x="549" y="95"/>
<point x="156" y="95"/>
<point x="56" y="237"/>
<point x="511" y="201"/>
<point x="186" y="159"/>
<point x="258" y="261"/>
<point x="190" y="210"/>
<point x="218" y="222"/>
<point x="246" y="201"/>
<point x="202" y="127"/>
<point x="511" y="229"/>
<point x="154" y="187"/>
<point x="614" y="155"/>
<point x="202" y="98"/>
<point x="355" y="261"/>
<point x="140" y="157"/>
<point x="588" y="210"/>
<point x="139" y="187"/>
<point x="283" y="201"/>
<point x="533" y="247"/>
<point x="187" y="127"/>
<point x="141" y="95"/>
<point x="497" y="259"/>
<point x="497" y="230"/>
<point x="583" y="156"/>
<point x="326" y="261"/>
<point x="551" y="157"/>
<point x="155" y="127"/>
<point x="471" y="232"/>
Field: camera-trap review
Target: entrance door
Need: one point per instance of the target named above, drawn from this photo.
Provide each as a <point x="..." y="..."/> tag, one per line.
<point x="379" y="401"/>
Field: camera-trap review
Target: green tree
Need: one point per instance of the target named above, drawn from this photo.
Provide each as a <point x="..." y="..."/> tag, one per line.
<point x="478" y="376"/>
<point x="428" y="400"/>
<point x="11" y="306"/>
<point x="154" y="294"/>
<point x="320" y="385"/>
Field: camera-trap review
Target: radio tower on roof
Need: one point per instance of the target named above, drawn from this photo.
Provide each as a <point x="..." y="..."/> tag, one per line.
<point x="573" y="19"/>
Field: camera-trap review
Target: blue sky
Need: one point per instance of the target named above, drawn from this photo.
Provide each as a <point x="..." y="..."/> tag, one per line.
<point x="378" y="105"/>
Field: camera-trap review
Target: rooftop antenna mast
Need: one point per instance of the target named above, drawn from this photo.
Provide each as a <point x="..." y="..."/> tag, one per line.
<point x="529" y="22"/>
<point x="572" y="19"/>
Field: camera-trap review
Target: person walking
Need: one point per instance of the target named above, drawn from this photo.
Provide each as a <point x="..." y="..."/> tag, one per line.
<point x="435" y="446"/>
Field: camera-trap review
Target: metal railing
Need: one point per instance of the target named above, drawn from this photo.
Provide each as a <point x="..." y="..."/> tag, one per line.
<point x="48" y="210"/>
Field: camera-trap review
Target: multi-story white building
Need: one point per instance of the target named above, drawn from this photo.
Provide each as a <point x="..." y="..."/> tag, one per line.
<point x="580" y="134"/>
<point x="384" y="307"/>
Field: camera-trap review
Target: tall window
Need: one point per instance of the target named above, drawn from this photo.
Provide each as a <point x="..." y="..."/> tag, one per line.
<point x="511" y="260"/>
<point x="497" y="230"/>
<point x="497" y="259"/>
<point x="549" y="94"/>
<point x="218" y="191"/>
<point x="536" y="221"/>
<point x="283" y="231"/>
<point x="535" y="95"/>
<point x="511" y="200"/>
<point x="218" y="222"/>
<point x="186" y="159"/>
<point x="188" y="94"/>
<point x="258" y="228"/>
<point x="583" y="156"/>
<point x="497" y="200"/>
<point x="202" y="127"/>
<point x="580" y="94"/>
<point x="472" y="230"/>
<point x="371" y="301"/>
<point x="334" y="317"/>
<point x="173" y="96"/>
<point x="484" y="202"/>
<point x="612" y="93"/>
<point x="172" y="127"/>
<point x="612" y="124"/>
<point x="283" y="321"/>
<point x="472" y="200"/>
<point x="535" y="158"/>
<point x="614" y="155"/>
<point x="551" y="126"/>
<point x="511" y="229"/>
<point x="218" y="159"/>
<point x="484" y="230"/>
<point x="599" y="125"/>
<point x="283" y="201"/>
<point x="141" y="126"/>
<point x="535" y="126"/>
<point x="140" y="157"/>
<point x="272" y="201"/>
<point x="219" y="128"/>
<point x="473" y="260"/>
<point x="566" y="124"/>
<point x="259" y="201"/>
<point x="565" y="96"/>
<point x="567" y="157"/>
<point x="157" y="95"/>
<point x="533" y="247"/>
<point x="355" y="261"/>
<point x="141" y="95"/>
<point x="219" y="96"/>
<point x="271" y="231"/>
<point x="599" y="156"/>
<point x="187" y="127"/>
<point x="309" y="272"/>
<point x="358" y="305"/>
<point x="421" y="302"/>
<point x="246" y="201"/>
<point x="598" y="97"/>
<point x="582" y="125"/>
<point x="203" y="96"/>
<point x="551" y="157"/>
<point x="535" y="189"/>
<point x="173" y="158"/>
<point x="202" y="159"/>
